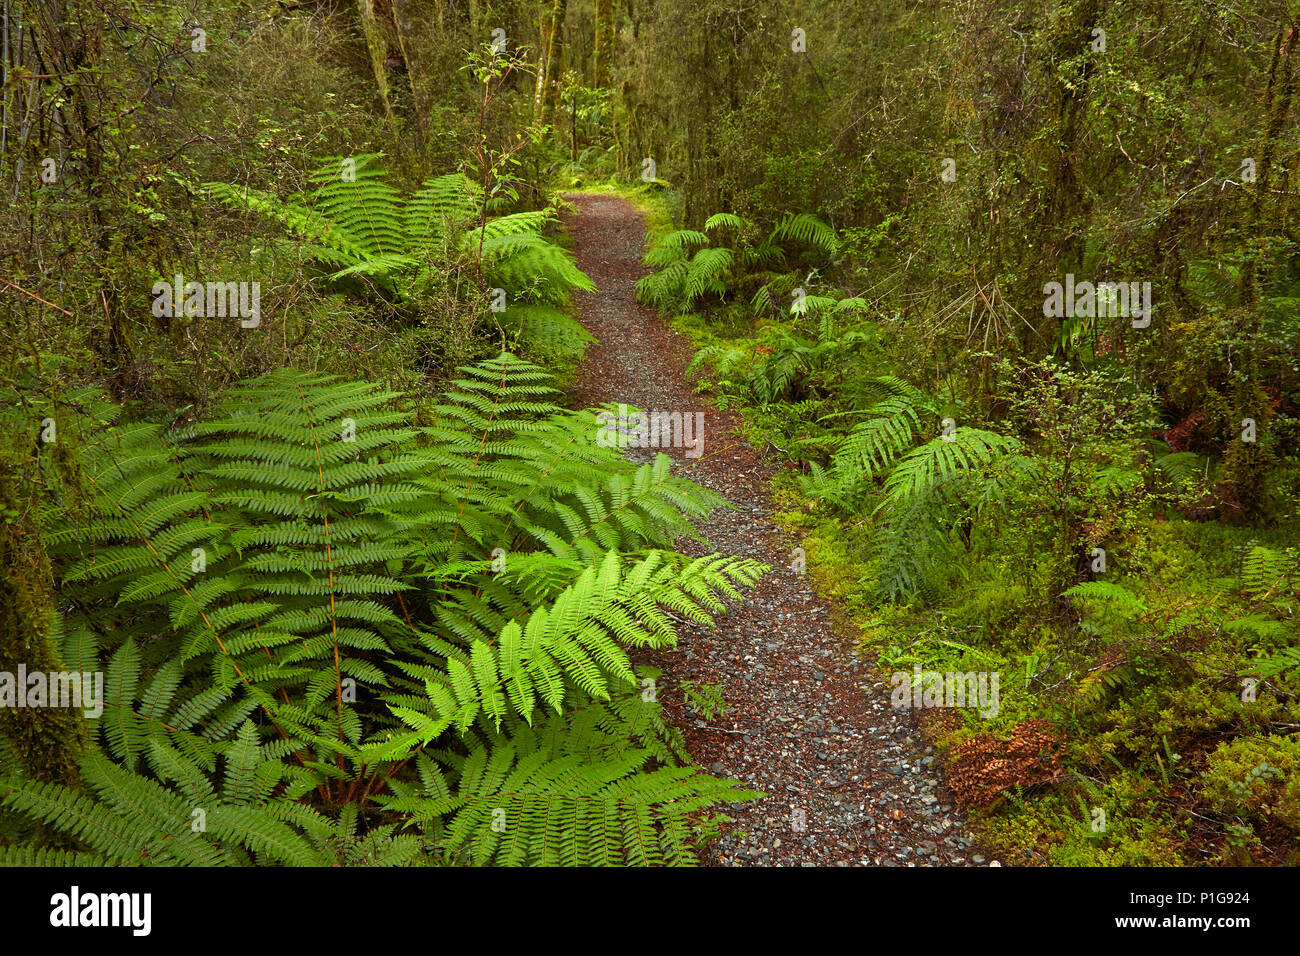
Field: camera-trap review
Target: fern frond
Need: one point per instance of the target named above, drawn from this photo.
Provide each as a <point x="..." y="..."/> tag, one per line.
<point x="724" y="220"/>
<point x="806" y="228"/>
<point x="514" y="805"/>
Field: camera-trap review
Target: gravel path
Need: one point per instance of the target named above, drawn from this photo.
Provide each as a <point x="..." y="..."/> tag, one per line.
<point x="849" y="779"/>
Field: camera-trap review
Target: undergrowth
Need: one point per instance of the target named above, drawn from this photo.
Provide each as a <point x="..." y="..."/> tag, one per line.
<point x="1146" y="655"/>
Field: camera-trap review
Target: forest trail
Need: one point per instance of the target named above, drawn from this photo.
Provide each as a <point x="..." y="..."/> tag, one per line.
<point x="806" y="722"/>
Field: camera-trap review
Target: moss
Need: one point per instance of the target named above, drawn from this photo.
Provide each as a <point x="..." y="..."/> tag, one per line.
<point x="1065" y="829"/>
<point x="1256" y="779"/>
<point x="45" y="740"/>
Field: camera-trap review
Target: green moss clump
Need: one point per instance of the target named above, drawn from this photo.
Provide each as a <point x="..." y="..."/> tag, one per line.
<point x="1256" y="779"/>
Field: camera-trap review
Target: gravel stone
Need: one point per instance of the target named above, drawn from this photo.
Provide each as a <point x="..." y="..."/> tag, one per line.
<point x="806" y="720"/>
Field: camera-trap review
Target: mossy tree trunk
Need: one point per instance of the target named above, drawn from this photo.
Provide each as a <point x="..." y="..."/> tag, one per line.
<point x="554" y="53"/>
<point x="45" y="740"/>
<point x="604" y="53"/>
<point x="378" y="51"/>
<point x="1278" y="93"/>
<point x="67" y="41"/>
<point x="1246" y="464"/>
<point x="417" y="106"/>
<point x="1065" y="200"/>
<point x="544" y="30"/>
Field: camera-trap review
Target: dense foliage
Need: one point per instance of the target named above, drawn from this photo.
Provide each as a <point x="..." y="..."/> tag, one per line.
<point x="312" y="612"/>
<point x="1098" y="504"/>
<point x="360" y="583"/>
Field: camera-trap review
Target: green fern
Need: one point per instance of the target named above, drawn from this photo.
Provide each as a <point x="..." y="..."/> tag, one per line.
<point x="682" y="281"/>
<point x="301" y="596"/>
<point x="806" y="228"/>
<point x="546" y="334"/>
<point x="1108" y="606"/>
<point x="924" y="469"/>
<point x="357" y="225"/>
<point x="689" y="270"/>
<point x="780" y="365"/>
<point x="1180" y="467"/>
<point x="872" y="446"/>
<point x="1267" y="575"/>
<point x="131" y="820"/>
<point x="923" y="491"/>
<point x="521" y="803"/>
<point x="724" y="220"/>
<point x="1281" y="661"/>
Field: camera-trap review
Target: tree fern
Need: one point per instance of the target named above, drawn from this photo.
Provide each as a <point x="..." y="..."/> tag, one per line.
<point x="530" y="267"/>
<point x="684" y="279"/>
<point x="575" y="644"/>
<point x="358" y="226"/>
<point x="1180" y="467"/>
<point x="780" y="365"/>
<point x="705" y="274"/>
<point x="724" y="220"/>
<point x="301" y="593"/>
<point x="872" y="446"/>
<point x="675" y="245"/>
<point x="922" y="470"/>
<point x="546" y="334"/>
<point x="130" y="820"/>
<point x="440" y="207"/>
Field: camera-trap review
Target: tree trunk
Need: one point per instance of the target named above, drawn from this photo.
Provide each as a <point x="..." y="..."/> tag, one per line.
<point x="544" y="31"/>
<point x="377" y="49"/>
<point x="1064" y="195"/>
<point x="1277" y="106"/>
<point x="417" y="109"/>
<point x="554" y="52"/>
<point x="46" y="740"/>
<point x="67" y="40"/>
<point x="604" y="53"/>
